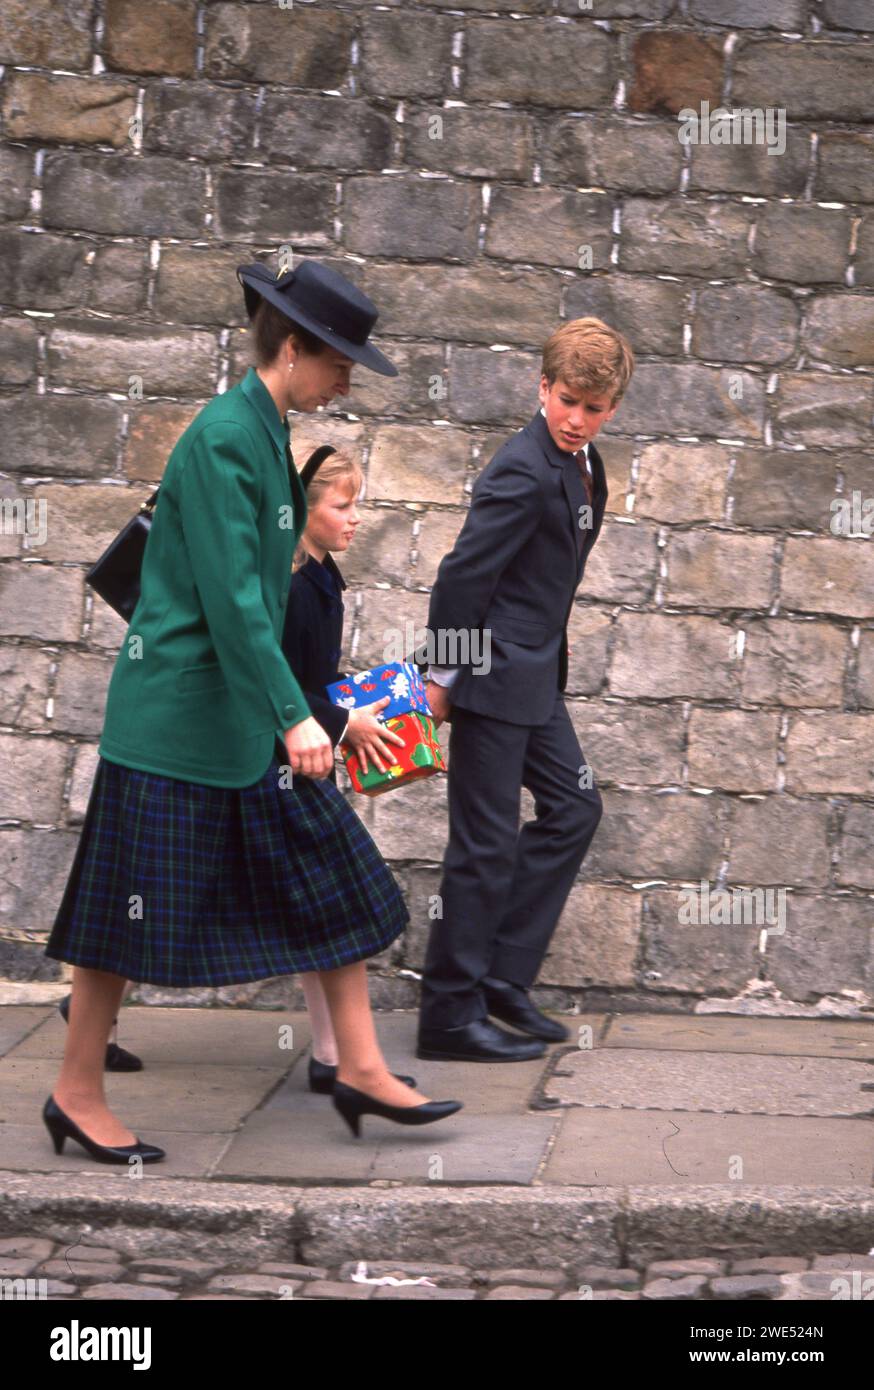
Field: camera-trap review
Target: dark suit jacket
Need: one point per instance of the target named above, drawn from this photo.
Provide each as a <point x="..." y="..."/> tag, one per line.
<point x="312" y="637"/>
<point x="513" y="572"/>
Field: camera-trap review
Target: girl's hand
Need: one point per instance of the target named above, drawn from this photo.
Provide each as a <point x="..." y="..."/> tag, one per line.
<point x="367" y="735"/>
<point x="310" y="751"/>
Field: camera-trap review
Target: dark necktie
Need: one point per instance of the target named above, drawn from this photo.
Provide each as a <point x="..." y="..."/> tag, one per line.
<point x="582" y="531"/>
<point x="587" y="480"/>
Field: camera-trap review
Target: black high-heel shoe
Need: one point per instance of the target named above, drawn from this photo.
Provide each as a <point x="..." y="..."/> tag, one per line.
<point x="322" y="1075"/>
<point x="352" y="1104"/>
<point x="61" y="1128"/>
<point x="117" y="1058"/>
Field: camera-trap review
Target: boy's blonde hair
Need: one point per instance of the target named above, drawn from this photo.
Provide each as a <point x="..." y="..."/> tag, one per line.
<point x="340" y="467"/>
<point x="589" y="356"/>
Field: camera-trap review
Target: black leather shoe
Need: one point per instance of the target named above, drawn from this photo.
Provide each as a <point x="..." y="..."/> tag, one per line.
<point x="61" y="1128"/>
<point x="480" y="1041"/>
<point x="117" y="1058"/>
<point x="322" y="1075"/>
<point x="511" y="1004"/>
<point x="352" y="1104"/>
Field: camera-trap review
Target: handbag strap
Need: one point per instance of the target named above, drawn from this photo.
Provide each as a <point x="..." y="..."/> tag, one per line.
<point x="149" y="503"/>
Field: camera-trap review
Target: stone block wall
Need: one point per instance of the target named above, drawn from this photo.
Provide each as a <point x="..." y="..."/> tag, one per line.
<point x="485" y="171"/>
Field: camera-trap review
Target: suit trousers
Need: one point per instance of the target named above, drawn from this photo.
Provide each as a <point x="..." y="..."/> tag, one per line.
<point x="503" y="888"/>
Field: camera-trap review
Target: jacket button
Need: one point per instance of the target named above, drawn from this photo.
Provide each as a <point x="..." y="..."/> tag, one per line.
<point x="288" y="712"/>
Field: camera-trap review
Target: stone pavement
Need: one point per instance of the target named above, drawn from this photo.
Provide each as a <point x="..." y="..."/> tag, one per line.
<point x="655" y="1099"/>
<point x="646" y="1137"/>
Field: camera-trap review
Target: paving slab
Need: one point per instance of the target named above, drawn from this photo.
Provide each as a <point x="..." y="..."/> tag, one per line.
<point x="620" y="1078"/>
<point x="172" y="1096"/>
<point x="821" y="1037"/>
<point x="16" y="1024"/>
<point x="613" y="1148"/>
<point x="482" y="1149"/>
<point x="307" y="1141"/>
<point x="296" y="1144"/>
<point x="29" y="1149"/>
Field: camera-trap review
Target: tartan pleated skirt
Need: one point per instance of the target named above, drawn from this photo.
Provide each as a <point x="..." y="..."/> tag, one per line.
<point x="175" y="883"/>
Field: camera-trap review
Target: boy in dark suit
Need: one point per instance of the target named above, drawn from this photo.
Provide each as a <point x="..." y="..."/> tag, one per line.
<point x="504" y="592"/>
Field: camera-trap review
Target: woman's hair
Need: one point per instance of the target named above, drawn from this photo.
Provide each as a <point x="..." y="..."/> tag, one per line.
<point x="589" y="356"/>
<point x="337" y="469"/>
<point x="270" y="328"/>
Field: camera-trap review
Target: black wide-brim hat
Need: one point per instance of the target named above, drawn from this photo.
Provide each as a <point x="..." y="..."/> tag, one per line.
<point x="324" y="302"/>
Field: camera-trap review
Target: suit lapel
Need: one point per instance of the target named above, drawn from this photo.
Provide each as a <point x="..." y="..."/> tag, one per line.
<point x="575" y="488"/>
<point x="599" y="490"/>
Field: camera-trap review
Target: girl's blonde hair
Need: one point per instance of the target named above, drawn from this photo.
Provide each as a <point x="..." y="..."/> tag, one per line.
<point x="338" y="468"/>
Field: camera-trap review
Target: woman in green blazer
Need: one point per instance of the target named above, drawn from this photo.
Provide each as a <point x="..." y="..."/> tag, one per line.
<point x="214" y="847"/>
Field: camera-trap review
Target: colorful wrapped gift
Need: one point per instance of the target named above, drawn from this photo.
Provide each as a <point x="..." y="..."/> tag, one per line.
<point x="407" y="714"/>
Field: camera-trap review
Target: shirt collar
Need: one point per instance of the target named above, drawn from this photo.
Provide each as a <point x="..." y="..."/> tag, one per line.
<point x="265" y="405"/>
<point x="584" y="451"/>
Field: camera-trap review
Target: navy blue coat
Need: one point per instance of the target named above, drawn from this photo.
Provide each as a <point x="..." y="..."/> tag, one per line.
<point x="313" y="636"/>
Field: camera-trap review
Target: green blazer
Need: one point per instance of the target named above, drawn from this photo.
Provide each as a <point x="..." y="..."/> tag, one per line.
<point x="200" y="687"/>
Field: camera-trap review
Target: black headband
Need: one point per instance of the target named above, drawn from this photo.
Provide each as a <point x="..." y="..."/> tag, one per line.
<point x="316" y="458"/>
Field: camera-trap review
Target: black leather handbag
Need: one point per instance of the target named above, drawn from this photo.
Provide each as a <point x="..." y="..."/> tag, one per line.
<point x="116" y="575"/>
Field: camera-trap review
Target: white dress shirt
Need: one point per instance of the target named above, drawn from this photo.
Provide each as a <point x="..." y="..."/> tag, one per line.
<point x="442" y="674"/>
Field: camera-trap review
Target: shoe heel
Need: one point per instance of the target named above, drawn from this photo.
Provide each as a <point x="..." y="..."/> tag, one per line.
<point x="354" y="1123"/>
<point x="58" y="1137"/>
<point x="350" y="1113"/>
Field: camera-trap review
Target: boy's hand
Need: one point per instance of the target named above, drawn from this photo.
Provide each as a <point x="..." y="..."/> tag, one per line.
<point x="366" y="735"/>
<point x="438" y="699"/>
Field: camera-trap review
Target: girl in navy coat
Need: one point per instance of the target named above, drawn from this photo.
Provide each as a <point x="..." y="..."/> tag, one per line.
<point x="312" y="640"/>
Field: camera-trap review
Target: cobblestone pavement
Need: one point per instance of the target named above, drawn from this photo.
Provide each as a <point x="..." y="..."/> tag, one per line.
<point x="90" y="1271"/>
